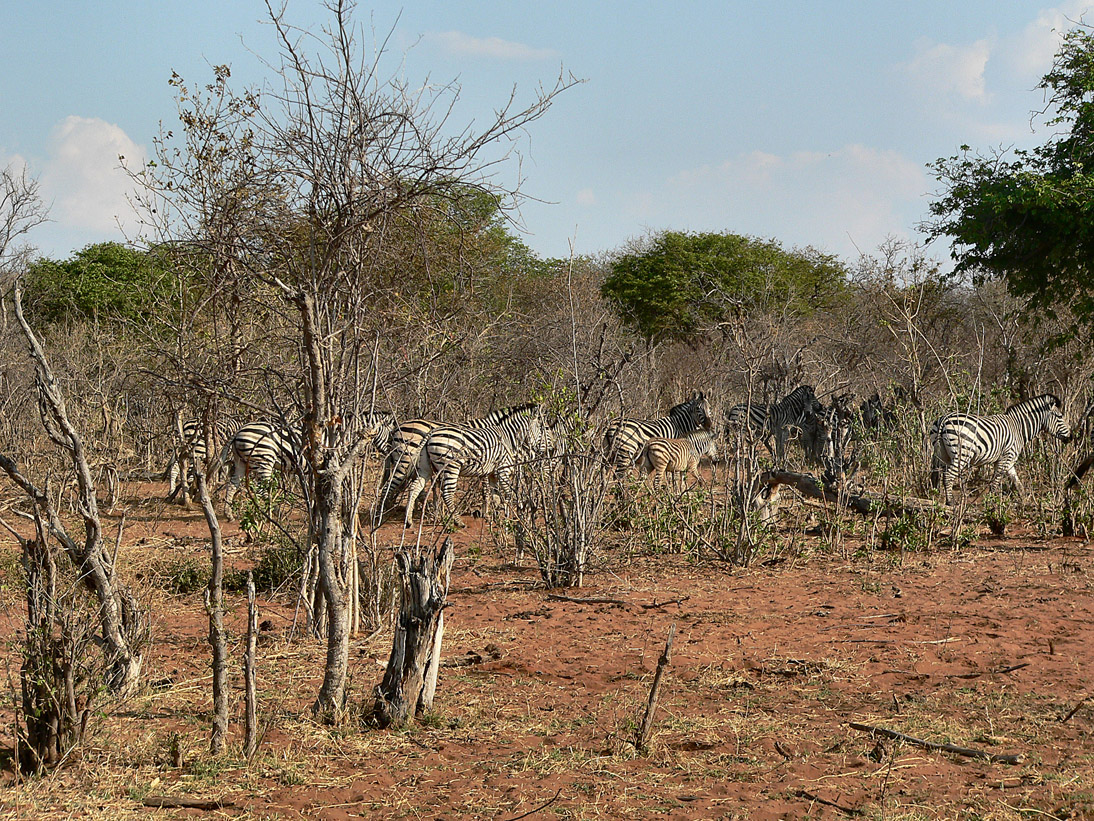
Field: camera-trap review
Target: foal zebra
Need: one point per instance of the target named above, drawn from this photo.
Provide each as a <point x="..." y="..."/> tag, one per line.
<point x="624" y="438"/>
<point x="773" y="421"/>
<point x="679" y="457"/>
<point x="255" y="450"/>
<point x="962" y="441"/>
<point x="486" y="450"/>
<point x="192" y="452"/>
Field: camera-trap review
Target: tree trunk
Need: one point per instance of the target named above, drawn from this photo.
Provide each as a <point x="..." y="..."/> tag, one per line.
<point x="410" y="679"/>
<point x="328" y="501"/>
<point x="214" y="607"/>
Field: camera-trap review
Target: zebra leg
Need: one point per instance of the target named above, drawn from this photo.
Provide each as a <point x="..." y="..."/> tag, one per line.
<point x="414" y="490"/>
<point x="238" y="471"/>
<point x="447" y="486"/>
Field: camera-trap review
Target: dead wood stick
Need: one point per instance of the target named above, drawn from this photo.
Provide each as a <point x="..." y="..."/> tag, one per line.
<point x="589" y="600"/>
<point x="812" y="797"/>
<point x="655" y="692"/>
<point x="1074" y="710"/>
<point x="656" y="604"/>
<point x="946" y="748"/>
<point x="169" y="802"/>
<point x="537" y="809"/>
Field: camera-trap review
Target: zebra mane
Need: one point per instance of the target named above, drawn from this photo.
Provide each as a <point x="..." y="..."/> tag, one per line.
<point x="1042" y="402"/>
<point x="507" y="413"/>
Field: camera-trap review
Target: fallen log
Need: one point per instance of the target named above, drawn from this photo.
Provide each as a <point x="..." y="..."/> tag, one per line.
<point x="860" y="503"/>
<point x="945" y="748"/>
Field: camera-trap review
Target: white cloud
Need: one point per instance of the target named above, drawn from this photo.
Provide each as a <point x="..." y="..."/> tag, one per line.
<point x="845" y="201"/>
<point x="586" y="197"/>
<point x="83" y="178"/>
<point x="949" y="70"/>
<point x="464" y="45"/>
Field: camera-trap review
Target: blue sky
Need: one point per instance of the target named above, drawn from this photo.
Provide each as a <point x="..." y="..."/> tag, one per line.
<point x="810" y="123"/>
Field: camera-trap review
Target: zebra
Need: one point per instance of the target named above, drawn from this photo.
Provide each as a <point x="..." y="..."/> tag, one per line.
<point x="192" y="452"/>
<point x="624" y="438"/>
<point x="825" y="437"/>
<point x="961" y="441"/>
<point x="406" y="442"/>
<point x="255" y="450"/>
<point x="676" y="456"/>
<point x="482" y="451"/>
<point x="773" y="421"/>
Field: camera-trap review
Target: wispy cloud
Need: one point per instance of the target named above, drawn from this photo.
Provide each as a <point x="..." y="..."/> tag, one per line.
<point x="82" y="175"/>
<point x="953" y="71"/>
<point x="1031" y="51"/>
<point x="464" y="45"/>
<point x="844" y="201"/>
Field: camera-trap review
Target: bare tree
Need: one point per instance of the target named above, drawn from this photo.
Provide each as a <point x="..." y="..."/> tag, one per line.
<point x="331" y="165"/>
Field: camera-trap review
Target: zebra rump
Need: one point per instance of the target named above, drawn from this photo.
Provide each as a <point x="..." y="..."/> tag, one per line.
<point x="257" y="449"/>
<point x="192" y="452"/>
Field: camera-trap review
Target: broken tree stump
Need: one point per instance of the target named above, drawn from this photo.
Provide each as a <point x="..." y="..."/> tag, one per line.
<point x="411" y="676"/>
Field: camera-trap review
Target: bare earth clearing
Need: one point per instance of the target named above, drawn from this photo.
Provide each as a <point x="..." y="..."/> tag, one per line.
<point x="990" y="648"/>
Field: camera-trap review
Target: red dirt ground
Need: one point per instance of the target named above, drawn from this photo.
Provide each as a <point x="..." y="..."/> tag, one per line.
<point x="989" y="648"/>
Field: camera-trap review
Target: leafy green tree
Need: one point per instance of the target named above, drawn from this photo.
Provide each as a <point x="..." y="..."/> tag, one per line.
<point x="681" y="283"/>
<point x="1028" y="216"/>
<point x="103" y="280"/>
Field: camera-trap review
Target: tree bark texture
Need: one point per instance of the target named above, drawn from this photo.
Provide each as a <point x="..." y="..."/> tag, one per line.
<point x="214" y="608"/>
<point x="410" y="679"/>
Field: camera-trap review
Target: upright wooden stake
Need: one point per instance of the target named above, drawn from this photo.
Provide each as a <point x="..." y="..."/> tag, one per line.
<point x="655" y="692"/>
<point x="250" y="743"/>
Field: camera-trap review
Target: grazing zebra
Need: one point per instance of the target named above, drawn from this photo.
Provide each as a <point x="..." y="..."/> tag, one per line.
<point x="192" y="452"/>
<point x="962" y="441"/>
<point x="773" y="421"/>
<point x="407" y="441"/>
<point x="380" y="425"/>
<point x="825" y="437"/>
<point x="255" y="450"/>
<point x="624" y="438"/>
<point x="679" y="457"/>
<point x="483" y="451"/>
<point x="875" y="415"/>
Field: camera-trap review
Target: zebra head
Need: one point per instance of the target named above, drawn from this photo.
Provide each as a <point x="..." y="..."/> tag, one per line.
<point x="695" y="413"/>
<point x="1056" y="423"/>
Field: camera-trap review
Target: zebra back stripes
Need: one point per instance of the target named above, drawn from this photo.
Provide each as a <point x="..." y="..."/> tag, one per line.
<point x="256" y="450"/>
<point x="774" y="421"/>
<point x="406" y="442"/>
<point x="624" y="438"/>
<point x="192" y="453"/>
<point x="963" y="441"/>
<point x="676" y="456"/>
<point x="484" y="450"/>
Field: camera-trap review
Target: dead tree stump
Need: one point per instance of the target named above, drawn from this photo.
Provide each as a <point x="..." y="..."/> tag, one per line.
<point x="411" y="676"/>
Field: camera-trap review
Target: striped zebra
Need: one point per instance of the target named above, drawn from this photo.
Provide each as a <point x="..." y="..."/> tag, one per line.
<point x="406" y="442"/>
<point x="192" y="452"/>
<point x="624" y="438"/>
<point x="488" y="450"/>
<point x="255" y="451"/>
<point x="769" y="422"/>
<point x="679" y="457"/>
<point x="962" y="441"/>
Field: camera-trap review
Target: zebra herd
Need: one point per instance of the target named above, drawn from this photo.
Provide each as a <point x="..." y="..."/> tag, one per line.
<point x="419" y="453"/>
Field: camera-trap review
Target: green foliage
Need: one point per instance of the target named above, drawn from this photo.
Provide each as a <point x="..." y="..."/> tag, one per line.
<point x="1027" y="219"/>
<point x="107" y="280"/>
<point x="682" y="283"/>
<point x="187" y="576"/>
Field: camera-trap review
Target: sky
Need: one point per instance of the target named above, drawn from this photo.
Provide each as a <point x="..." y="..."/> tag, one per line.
<point x="805" y="122"/>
